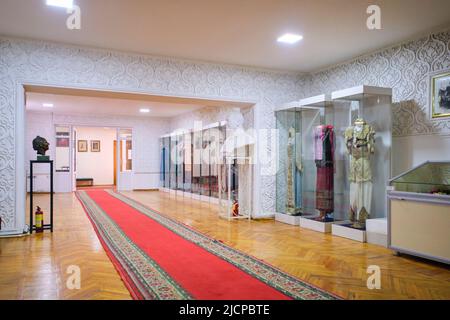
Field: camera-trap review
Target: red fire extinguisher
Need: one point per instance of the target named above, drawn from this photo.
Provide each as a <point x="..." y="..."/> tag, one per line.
<point x="39" y="218"/>
<point x="235" y="208"/>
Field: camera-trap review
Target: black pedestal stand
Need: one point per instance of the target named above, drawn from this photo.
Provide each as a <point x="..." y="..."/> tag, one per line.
<point x="46" y="226"/>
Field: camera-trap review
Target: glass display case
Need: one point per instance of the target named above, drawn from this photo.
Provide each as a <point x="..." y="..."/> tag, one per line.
<point x="216" y="137"/>
<point x="235" y="187"/>
<point x="288" y="178"/>
<point x="173" y="163"/>
<point x="431" y="177"/>
<point x="419" y="211"/>
<point x="162" y="166"/>
<point x="205" y="180"/>
<point x="305" y="175"/>
<point x="189" y="161"/>
<point x="196" y="161"/>
<point x="179" y="161"/>
<point x="363" y="131"/>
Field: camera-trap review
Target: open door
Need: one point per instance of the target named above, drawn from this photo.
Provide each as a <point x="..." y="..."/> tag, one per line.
<point x="115" y="162"/>
<point x="74" y="158"/>
<point x="124" y="162"/>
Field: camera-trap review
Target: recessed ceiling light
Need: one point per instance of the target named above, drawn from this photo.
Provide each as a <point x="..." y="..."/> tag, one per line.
<point x="290" y="38"/>
<point x="47" y="105"/>
<point x="144" y="110"/>
<point x="61" y="3"/>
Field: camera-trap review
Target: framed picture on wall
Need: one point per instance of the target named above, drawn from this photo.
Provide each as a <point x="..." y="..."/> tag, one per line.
<point x="82" y="146"/>
<point x="95" y="145"/>
<point x="62" y="142"/>
<point x="440" y="95"/>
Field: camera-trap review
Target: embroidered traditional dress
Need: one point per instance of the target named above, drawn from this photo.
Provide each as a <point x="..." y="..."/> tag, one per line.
<point x="360" y="141"/>
<point x="294" y="167"/>
<point x="163" y="165"/>
<point x="324" y="158"/>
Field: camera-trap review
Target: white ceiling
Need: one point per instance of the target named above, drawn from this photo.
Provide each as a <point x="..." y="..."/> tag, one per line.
<point x="230" y="31"/>
<point x="85" y="105"/>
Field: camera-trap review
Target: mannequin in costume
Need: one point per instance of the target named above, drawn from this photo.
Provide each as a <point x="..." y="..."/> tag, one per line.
<point x="360" y="141"/>
<point x="324" y="158"/>
<point x="294" y="168"/>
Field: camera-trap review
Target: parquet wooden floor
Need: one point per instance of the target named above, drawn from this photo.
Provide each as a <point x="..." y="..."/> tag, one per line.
<point x="35" y="267"/>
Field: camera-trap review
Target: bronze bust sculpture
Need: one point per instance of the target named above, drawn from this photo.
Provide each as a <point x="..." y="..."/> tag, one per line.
<point x="40" y="145"/>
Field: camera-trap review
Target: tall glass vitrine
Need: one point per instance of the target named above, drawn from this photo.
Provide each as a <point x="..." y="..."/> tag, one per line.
<point x="235" y="181"/>
<point x="187" y="163"/>
<point x="363" y="155"/>
<point x="190" y="161"/>
<point x="305" y="176"/>
<point x="205" y="167"/>
<point x="288" y="178"/>
<point x="196" y="161"/>
<point x="165" y="162"/>
<point x="179" y="158"/>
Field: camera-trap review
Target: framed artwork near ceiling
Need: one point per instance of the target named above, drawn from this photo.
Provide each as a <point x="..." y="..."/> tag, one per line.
<point x="440" y="95"/>
<point x="82" y="146"/>
<point x="95" y="145"/>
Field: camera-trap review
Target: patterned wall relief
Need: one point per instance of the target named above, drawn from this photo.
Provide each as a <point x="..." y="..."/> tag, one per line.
<point x="64" y="65"/>
<point x="407" y="69"/>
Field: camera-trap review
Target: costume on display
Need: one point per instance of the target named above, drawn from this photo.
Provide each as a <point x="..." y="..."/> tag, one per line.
<point x="163" y="163"/>
<point x="324" y="158"/>
<point x="360" y="140"/>
<point x="294" y="168"/>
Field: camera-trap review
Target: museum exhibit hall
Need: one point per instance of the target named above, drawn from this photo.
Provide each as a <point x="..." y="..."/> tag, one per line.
<point x="225" y="150"/>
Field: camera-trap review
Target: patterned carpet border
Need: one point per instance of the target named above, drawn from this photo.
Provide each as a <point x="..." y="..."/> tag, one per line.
<point x="143" y="276"/>
<point x="283" y="282"/>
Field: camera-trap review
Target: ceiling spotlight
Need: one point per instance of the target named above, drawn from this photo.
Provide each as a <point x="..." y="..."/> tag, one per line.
<point x="290" y="38"/>
<point x="68" y="4"/>
<point x="144" y="110"/>
<point x="47" y="105"/>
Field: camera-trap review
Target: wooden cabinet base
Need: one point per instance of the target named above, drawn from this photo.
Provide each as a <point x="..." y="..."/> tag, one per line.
<point x="420" y="229"/>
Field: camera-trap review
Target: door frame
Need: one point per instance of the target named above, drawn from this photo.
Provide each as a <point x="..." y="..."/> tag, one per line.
<point x="116" y="152"/>
<point x="20" y="191"/>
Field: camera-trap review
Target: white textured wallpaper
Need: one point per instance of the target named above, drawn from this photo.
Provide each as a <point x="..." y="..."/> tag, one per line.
<point x="405" y="68"/>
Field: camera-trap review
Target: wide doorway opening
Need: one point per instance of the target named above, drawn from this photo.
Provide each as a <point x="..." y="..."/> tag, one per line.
<point x="102" y="139"/>
<point x="100" y="155"/>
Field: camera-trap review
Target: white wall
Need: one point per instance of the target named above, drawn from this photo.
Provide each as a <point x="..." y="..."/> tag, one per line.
<point x="39" y="124"/>
<point x="207" y="116"/>
<point x="97" y="165"/>
<point x="410" y="151"/>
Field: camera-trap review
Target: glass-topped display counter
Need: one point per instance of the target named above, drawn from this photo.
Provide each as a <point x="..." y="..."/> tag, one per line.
<point x="430" y="177"/>
<point x="419" y="211"/>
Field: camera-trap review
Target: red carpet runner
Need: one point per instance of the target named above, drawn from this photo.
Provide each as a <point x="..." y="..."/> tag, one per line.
<point x="160" y="258"/>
